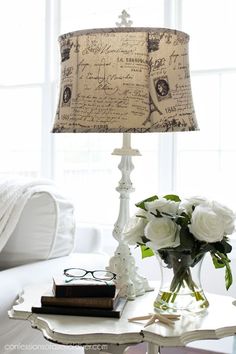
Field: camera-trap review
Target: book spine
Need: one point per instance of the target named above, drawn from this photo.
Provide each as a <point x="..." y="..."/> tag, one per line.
<point x="81" y="291"/>
<point x="76" y="311"/>
<point x="106" y="303"/>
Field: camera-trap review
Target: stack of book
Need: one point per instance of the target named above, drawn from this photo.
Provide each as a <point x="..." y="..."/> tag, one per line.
<point x="82" y="298"/>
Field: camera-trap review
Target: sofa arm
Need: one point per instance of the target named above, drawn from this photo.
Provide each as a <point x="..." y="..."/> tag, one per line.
<point x="87" y="239"/>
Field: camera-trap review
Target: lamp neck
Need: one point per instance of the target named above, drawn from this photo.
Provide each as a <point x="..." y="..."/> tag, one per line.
<point x="126" y="149"/>
<point x="126" y="141"/>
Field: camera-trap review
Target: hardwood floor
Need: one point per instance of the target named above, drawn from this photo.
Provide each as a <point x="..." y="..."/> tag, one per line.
<point x="141" y="349"/>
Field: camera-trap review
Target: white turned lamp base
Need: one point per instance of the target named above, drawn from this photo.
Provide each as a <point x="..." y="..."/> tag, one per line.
<point x="123" y="263"/>
<point x="128" y="280"/>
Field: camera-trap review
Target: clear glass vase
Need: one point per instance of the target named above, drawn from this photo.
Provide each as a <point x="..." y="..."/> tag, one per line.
<point x="180" y="288"/>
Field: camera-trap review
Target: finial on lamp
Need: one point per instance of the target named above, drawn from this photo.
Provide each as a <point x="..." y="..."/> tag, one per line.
<point x="124" y="20"/>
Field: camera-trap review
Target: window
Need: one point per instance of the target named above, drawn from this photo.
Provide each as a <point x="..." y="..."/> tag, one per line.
<point x="185" y="163"/>
<point x="22" y="67"/>
<point x="205" y="160"/>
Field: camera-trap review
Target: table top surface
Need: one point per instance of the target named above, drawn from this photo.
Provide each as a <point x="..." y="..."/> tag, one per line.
<point x="217" y="322"/>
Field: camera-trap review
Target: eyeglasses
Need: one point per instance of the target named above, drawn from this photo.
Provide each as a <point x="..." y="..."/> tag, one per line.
<point x="79" y="273"/>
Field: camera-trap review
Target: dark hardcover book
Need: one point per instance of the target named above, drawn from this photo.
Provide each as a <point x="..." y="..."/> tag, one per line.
<point x="82" y="311"/>
<point x="83" y="288"/>
<point x="49" y="299"/>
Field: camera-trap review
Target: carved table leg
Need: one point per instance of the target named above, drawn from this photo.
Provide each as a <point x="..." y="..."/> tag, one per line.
<point x="153" y="349"/>
<point x="117" y="349"/>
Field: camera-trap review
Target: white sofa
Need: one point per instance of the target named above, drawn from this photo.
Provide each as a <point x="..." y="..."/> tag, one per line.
<point x="17" y="336"/>
<point x="38" y="239"/>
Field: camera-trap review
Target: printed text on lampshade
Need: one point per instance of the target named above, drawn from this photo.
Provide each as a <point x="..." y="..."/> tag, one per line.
<point x="125" y="80"/>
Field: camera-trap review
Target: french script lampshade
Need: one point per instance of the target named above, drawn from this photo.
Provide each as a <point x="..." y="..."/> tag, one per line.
<point x="125" y="80"/>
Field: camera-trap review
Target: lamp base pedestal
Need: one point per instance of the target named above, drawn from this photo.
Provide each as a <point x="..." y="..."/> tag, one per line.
<point x="123" y="263"/>
<point x="130" y="283"/>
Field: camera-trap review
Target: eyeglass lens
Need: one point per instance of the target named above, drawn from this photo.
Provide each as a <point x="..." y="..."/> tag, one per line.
<point x="97" y="274"/>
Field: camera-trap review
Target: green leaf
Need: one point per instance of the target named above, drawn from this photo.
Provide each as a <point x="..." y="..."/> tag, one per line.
<point x="218" y="263"/>
<point x="227" y="246"/>
<point x="146" y="251"/>
<point x="164" y="254"/>
<point x="228" y="276"/>
<point x="173" y="197"/>
<point x="183" y="219"/>
<point x="144" y="240"/>
<point x="207" y="247"/>
<point x="219" y="247"/>
<point x="187" y="240"/>
<point x="221" y="260"/>
<point x="222" y="246"/>
<point x="142" y="203"/>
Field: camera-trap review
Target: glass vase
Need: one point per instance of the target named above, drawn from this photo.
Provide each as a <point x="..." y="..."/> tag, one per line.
<point x="180" y="288"/>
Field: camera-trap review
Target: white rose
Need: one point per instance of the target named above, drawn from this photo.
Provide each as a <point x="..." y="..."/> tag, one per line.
<point x="206" y="225"/>
<point x="162" y="232"/>
<point x="134" y="229"/>
<point x="227" y="215"/>
<point x="187" y="204"/>
<point x="163" y="206"/>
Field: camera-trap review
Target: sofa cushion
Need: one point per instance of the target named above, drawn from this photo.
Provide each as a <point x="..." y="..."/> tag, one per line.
<point x="45" y="230"/>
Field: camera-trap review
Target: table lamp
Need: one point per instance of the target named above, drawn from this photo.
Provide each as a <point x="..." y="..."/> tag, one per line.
<point x="125" y="80"/>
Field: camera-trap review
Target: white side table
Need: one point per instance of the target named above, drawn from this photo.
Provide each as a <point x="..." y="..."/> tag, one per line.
<point x="114" y="335"/>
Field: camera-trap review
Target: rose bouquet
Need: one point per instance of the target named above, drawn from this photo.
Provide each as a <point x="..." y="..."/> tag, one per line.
<point x="181" y="233"/>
